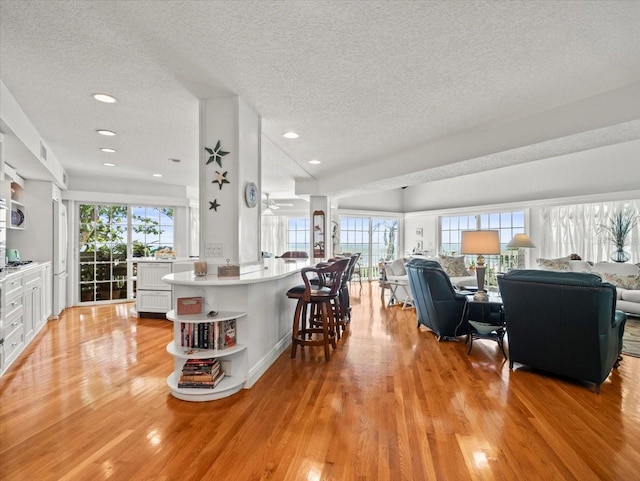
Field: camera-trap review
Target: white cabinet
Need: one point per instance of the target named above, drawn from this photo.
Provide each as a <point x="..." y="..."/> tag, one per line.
<point x="153" y="294"/>
<point x="232" y="359"/>
<point x="13" y="319"/>
<point x="47" y="298"/>
<point x="23" y="314"/>
<point x="33" y="296"/>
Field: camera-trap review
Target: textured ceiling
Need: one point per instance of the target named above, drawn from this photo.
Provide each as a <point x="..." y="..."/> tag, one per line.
<point x="363" y="82"/>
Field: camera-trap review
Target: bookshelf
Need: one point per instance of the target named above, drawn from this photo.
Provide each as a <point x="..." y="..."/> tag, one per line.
<point x="189" y="334"/>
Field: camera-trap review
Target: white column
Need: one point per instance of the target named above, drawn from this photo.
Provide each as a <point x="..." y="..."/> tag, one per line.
<point x="229" y="227"/>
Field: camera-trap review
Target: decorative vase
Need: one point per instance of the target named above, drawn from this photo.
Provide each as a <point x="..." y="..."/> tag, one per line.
<point x="619" y="255"/>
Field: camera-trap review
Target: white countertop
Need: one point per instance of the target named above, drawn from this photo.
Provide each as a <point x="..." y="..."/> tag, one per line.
<point x="155" y="259"/>
<point x="273" y="269"/>
<point x="8" y="272"/>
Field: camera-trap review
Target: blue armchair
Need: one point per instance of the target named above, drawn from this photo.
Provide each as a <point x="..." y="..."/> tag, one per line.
<point x="438" y="305"/>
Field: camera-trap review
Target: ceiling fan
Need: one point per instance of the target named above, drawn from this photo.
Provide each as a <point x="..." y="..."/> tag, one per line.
<point x="270" y="205"/>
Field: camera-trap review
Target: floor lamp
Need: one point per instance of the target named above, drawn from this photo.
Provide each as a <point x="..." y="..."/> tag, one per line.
<point x="520" y="242"/>
<point x="480" y="242"/>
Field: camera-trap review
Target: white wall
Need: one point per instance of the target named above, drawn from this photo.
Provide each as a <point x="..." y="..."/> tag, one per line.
<point x="124" y="191"/>
<point x="35" y="242"/>
<point x="383" y="201"/>
<point x="607" y="173"/>
<point x="12" y="114"/>
<point x="614" y="168"/>
<point x="116" y="185"/>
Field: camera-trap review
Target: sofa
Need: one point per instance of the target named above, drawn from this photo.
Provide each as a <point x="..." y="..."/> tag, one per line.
<point x="624" y="276"/>
<point x="562" y="322"/>
<point x="454" y="266"/>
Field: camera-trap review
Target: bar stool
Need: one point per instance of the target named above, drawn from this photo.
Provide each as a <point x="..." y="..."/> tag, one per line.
<point x="318" y="302"/>
<point x="344" y="298"/>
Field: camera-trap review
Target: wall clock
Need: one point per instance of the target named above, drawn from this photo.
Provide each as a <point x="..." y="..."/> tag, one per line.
<point x="251" y="194"/>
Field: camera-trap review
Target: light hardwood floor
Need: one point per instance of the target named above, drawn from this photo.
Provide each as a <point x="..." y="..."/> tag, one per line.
<point x="88" y="401"/>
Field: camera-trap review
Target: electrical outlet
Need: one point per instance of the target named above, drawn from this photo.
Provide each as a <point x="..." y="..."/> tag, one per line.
<point x="213" y="249"/>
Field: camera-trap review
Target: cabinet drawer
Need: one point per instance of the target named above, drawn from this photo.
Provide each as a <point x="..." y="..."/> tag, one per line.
<point x="153" y="301"/>
<point x="14" y="322"/>
<point x="13" y="305"/>
<point x="13" y="345"/>
<point x="12" y="287"/>
<point x="150" y="276"/>
<point x="33" y="277"/>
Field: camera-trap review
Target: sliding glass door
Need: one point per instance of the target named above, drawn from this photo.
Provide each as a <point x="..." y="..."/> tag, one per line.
<point x="108" y="235"/>
<point x="376" y="238"/>
<point x="103" y="252"/>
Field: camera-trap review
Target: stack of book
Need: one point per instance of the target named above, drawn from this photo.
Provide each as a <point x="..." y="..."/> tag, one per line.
<point x="201" y="373"/>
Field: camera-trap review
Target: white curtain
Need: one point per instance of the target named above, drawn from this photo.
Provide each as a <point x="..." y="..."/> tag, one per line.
<point x="578" y="229"/>
<point x="275" y="234"/>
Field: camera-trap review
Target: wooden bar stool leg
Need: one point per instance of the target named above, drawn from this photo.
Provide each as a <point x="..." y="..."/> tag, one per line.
<point x="325" y="331"/>
<point x="332" y="325"/>
<point x="295" y="335"/>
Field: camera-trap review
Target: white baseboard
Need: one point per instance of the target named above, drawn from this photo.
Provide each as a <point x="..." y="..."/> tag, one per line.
<point x="265" y="363"/>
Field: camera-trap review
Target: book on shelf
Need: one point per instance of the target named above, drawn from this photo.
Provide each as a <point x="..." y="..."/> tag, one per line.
<point x="200" y="376"/>
<point x="208" y="384"/>
<point x="228" y="334"/>
<point x="208" y="335"/>
<point x="200" y="364"/>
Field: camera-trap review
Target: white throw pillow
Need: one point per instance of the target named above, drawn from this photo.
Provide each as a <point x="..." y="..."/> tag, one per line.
<point x="579" y="266"/>
<point x="560" y="264"/>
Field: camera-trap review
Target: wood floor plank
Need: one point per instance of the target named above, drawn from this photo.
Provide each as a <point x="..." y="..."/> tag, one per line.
<point x="88" y="400"/>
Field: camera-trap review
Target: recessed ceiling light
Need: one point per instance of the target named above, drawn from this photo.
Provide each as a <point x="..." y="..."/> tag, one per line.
<point x="157" y="175"/>
<point x="315" y="162"/>
<point x="109" y="164"/>
<point x="107" y="99"/>
<point x="291" y="135"/>
<point x="108" y="133"/>
<point x="108" y="150"/>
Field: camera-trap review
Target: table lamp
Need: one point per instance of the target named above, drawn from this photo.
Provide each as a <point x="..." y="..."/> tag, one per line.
<point x="480" y="242"/>
<point x="520" y="242"/>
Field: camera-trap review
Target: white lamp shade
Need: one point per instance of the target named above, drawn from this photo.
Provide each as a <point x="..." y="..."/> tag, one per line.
<point x="480" y="242"/>
<point x="520" y="241"/>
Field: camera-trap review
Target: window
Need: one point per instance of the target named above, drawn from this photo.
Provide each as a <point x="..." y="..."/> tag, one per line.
<point x="450" y="228"/>
<point x="298" y="234"/>
<point x="375" y="238"/>
<point x="107" y="233"/>
<point x="506" y="223"/>
<point x="152" y="230"/>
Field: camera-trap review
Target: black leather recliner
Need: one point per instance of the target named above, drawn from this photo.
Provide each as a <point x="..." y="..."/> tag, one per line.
<point x="438" y="305"/>
<point x="562" y="322"/>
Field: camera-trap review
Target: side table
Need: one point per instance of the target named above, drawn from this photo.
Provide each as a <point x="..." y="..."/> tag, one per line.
<point x="491" y="324"/>
<point x="394" y="298"/>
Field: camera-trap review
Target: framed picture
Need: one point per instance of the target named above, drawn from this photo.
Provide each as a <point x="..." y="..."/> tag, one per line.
<point x="419" y="231"/>
<point x="419" y="246"/>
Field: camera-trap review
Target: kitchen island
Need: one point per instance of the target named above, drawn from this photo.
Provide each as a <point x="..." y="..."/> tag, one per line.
<point x="263" y="313"/>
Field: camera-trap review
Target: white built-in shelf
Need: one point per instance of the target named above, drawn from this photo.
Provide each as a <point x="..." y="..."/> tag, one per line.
<point x="195" y="353"/>
<point x="202" y="317"/>
<point x="228" y="386"/>
<point x="235" y="358"/>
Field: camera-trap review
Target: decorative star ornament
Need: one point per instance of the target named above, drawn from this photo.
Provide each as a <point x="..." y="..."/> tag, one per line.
<point x="214" y="205"/>
<point x="220" y="179"/>
<point x="215" y="154"/>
